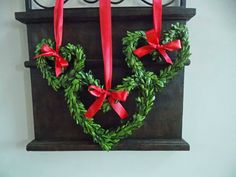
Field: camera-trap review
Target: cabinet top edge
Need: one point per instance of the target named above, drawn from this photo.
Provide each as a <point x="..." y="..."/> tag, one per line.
<point x="91" y="14"/>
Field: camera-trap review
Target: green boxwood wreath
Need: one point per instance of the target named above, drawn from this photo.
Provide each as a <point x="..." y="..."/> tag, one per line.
<point x="73" y="54"/>
<point x="147" y="83"/>
<point x="178" y="31"/>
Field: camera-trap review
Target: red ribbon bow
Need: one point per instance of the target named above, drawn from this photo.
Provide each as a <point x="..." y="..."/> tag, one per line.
<point x="153" y="37"/>
<point x="154" y="44"/>
<point x="60" y="62"/>
<point x="113" y="96"/>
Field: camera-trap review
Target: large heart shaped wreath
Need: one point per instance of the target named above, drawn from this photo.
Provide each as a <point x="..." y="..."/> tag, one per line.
<point x="73" y="78"/>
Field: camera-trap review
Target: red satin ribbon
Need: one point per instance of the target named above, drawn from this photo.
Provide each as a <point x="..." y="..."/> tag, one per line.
<point x="154" y="35"/>
<point x="60" y="62"/>
<point x="153" y="44"/>
<point x="113" y="96"/>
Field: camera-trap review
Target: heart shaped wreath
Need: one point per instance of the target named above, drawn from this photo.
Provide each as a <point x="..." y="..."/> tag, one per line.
<point x="73" y="78"/>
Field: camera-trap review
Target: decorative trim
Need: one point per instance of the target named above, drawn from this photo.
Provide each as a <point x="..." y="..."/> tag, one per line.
<point x="91" y="14"/>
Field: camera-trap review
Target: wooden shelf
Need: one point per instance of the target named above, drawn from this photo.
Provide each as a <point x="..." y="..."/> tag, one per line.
<point x="131" y="144"/>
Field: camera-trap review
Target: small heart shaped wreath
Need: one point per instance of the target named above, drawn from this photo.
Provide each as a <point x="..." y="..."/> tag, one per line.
<point x="73" y="78"/>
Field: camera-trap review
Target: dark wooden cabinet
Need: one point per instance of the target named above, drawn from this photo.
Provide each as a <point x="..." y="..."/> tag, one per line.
<point x="54" y="127"/>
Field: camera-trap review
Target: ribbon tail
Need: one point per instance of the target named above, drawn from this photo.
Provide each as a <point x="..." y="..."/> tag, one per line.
<point x="58" y="69"/>
<point x="95" y="107"/>
<point x="119" y="109"/>
<point x="64" y="63"/>
<point x="165" y="56"/>
<point x="142" y="51"/>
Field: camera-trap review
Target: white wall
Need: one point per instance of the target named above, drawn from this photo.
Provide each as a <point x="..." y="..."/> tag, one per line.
<point x="209" y="109"/>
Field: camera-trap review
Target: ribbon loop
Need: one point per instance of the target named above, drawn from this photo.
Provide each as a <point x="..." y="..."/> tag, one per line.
<point x="120" y="95"/>
<point x="97" y="91"/>
<point x="172" y="46"/>
<point x="47" y="49"/>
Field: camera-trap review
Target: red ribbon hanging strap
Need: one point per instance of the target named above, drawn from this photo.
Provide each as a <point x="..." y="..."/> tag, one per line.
<point x="153" y="37"/>
<point x="58" y="23"/>
<point x="113" y="96"/>
<point x="60" y="62"/>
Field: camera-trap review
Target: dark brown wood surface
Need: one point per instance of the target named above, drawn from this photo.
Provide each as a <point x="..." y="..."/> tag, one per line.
<point x="55" y="128"/>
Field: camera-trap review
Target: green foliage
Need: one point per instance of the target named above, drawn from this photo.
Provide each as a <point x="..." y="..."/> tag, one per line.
<point x="73" y="54"/>
<point x="148" y="84"/>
